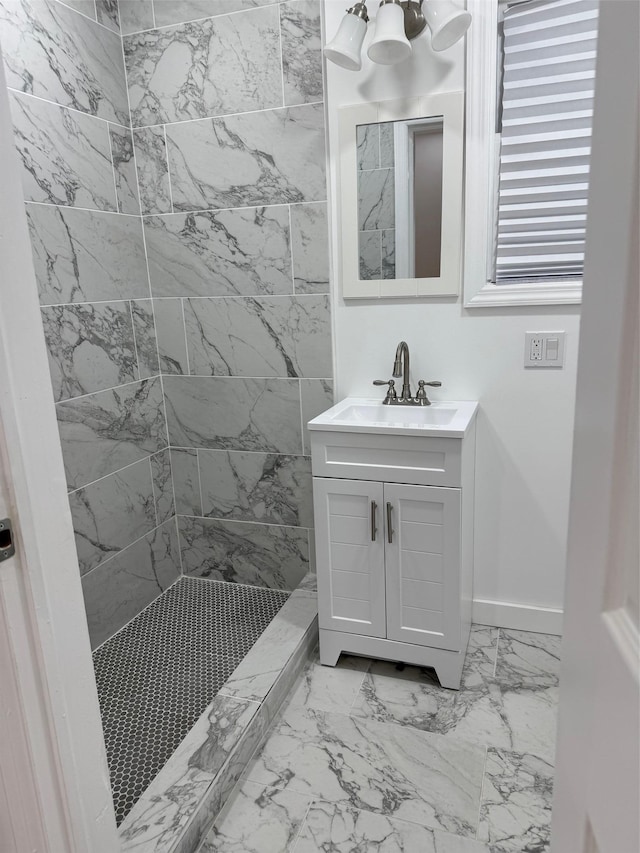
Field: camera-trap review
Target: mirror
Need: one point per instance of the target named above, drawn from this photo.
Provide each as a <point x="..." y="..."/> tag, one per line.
<point x="401" y="197"/>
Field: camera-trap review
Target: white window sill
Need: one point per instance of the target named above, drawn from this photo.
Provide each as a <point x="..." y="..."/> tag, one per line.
<point x="538" y="293"/>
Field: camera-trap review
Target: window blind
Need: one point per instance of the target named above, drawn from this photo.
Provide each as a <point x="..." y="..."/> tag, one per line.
<point x="547" y="111"/>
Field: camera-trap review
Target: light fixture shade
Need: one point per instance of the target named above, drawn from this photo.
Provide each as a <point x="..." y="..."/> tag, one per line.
<point x="346" y="47"/>
<point x="447" y="22"/>
<point x="390" y="44"/>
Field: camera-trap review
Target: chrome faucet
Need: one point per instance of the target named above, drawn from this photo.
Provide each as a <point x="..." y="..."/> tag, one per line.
<point x="402" y="352"/>
<point x="401" y="368"/>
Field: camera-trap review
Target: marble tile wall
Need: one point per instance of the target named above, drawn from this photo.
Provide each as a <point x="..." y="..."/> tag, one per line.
<point x="65" y="71"/>
<point x="173" y="168"/>
<point x="227" y="113"/>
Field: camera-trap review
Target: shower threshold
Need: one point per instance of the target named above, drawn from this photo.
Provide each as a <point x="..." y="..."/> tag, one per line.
<point x="187" y="692"/>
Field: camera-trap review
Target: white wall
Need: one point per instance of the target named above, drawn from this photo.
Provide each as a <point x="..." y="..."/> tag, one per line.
<point x="525" y="424"/>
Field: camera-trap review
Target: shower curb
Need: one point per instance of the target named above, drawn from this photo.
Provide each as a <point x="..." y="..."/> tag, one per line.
<point x="185" y="797"/>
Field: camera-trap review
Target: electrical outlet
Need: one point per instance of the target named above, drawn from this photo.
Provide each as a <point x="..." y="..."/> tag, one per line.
<point x="544" y="349"/>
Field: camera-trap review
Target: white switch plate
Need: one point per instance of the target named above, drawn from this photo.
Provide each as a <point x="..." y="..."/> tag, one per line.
<point x="544" y="349"/>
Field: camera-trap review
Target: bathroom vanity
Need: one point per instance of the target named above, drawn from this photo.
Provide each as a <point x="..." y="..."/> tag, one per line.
<point x="393" y="492"/>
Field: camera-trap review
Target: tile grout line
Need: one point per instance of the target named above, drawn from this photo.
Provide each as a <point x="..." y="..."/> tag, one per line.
<point x="299" y="297"/>
<point x="87" y="209"/>
<point x="199" y="20"/>
<point x="113" y="170"/>
<point x="126" y="547"/>
<point x="113" y="473"/>
<point x="222" y="116"/>
<point x="153" y="492"/>
<point x="197" y="449"/>
<point x="298" y="835"/>
<point x="255" y="206"/>
<point x="70" y="108"/>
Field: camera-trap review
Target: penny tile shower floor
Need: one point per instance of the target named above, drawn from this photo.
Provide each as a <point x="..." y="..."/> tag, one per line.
<point x="158" y="674"/>
<point x="370" y="758"/>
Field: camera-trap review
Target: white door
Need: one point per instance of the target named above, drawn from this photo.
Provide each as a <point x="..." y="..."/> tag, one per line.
<point x="350" y="555"/>
<point x="597" y="787"/>
<point x="423" y="565"/>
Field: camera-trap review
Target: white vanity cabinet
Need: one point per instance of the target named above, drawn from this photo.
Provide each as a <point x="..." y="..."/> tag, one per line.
<point x="394" y="538"/>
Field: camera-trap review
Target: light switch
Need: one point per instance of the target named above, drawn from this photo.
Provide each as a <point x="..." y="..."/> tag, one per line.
<point x="544" y="349"/>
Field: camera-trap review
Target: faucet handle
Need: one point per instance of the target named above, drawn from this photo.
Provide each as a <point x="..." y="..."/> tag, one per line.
<point x="392" y="395"/>
<point x="421" y="394"/>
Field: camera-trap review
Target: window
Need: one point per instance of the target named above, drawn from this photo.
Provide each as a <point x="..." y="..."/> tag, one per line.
<point x="528" y="145"/>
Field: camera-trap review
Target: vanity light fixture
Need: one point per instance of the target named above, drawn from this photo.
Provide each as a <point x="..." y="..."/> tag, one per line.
<point x="397" y="23"/>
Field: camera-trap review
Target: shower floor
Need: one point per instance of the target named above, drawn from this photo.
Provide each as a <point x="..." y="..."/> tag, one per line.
<point x="157" y="675"/>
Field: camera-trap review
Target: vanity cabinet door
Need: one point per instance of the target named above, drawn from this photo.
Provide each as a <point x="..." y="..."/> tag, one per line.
<point x="423" y="565"/>
<point x="350" y="556"/>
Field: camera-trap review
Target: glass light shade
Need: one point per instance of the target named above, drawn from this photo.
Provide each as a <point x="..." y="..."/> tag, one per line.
<point x="447" y="22"/>
<point x="390" y="44"/>
<point x="346" y="47"/>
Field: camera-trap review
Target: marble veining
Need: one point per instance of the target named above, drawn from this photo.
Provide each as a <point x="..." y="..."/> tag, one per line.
<point x="162" y="486"/>
<point x="124" y="168"/>
<point x="483" y="711"/>
<point x="389" y="253"/>
<point x="56" y="54"/>
<point x="267" y="555"/>
<point x="186" y="481"/>
<point x="517" y="795"/>
<point x="190" y="10"/>
<point x="382" y="768"/>
<point x="257" y="819"/>
<point x="172" y="344"/>
<point x="86" y="256"/>
<point x="135" y="15"/>
<point x="227" y="64"/>
<point x="144" y="330"/>
<point x="254" y="158"/>
<point x="107" y="14"/>
<point x="301" y="51"/>
<point x="90" y="347"/>
<point x="220" y="253"/>
<point x="233" y="414"/>
<point x="161" y="816"/>
<point x="310" y="246"/>
<point x="117" y="590"/>
<point x="259" y="336"/>
<point x="105" y="431"/>
<point x="153" y="170"/>
<point x="370" y="254"/>
<point x="264" y="487"/>
<point x="528" y="659"/>
<point x="112" y="513"/>
<point x="344" y="829"/>
<point x="331" y="688"/>
<point x="376" y="199"/>
<point x="66" y="155"/>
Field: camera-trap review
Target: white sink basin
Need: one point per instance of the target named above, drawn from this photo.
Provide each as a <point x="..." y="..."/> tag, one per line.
<point x="361" y="414"/>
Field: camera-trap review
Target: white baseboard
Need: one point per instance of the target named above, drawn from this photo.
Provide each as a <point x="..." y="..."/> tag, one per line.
<point x="521" y="617"/>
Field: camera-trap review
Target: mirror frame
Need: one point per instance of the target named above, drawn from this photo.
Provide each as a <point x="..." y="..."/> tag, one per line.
<point x="449" y="105"/>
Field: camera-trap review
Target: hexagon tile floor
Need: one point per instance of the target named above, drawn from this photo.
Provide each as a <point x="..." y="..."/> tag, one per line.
<point x="157" y="675"/>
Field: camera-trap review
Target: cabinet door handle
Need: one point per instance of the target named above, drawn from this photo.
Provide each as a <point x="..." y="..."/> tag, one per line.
<point x="389" y="525"/>
<point x="374" y="529"/>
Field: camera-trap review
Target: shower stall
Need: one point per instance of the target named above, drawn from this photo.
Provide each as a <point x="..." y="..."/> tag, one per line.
<point x="173" y="171"/>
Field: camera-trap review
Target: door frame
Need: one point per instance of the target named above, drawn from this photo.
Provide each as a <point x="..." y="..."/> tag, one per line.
<point x="49" y="655"/>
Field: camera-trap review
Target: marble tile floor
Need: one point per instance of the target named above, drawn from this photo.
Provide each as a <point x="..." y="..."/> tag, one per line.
<point x="371" y="757"/>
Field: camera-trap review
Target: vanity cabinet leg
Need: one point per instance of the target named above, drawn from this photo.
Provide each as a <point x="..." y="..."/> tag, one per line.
<point x="330" y="648"/>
